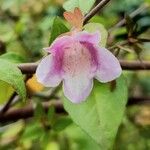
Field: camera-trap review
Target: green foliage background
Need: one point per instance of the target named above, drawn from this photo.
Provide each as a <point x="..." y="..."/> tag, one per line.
<point x="25" y="28"/>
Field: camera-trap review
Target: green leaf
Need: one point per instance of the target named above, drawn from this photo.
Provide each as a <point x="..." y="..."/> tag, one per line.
<point x="39" y="112"/>
<point x="84" y="6"/>
<point x="101" y="114"/>
<point x="51" y="113"/>
<point x="32" y="131"/>
<point x="6" y="91"/>
<point x="93" y="27"/>
<point x="80" y="138"/>
<point x="10" y="74"/>
<point x="12" y="57"/>
<point x="57" y="29"/>
<point x="61" y="123"/>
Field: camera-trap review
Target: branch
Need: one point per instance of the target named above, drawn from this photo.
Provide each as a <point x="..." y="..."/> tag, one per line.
<point x="138" y="100"/>
<point x="135" y="65"/>
<point x="8" y="104"/>
<point x="30" y="68"/>
<point x="101" y="4"/>
<point x="14" y="114"/>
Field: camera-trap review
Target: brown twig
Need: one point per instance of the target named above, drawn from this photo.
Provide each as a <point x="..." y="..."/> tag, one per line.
<point x="30" y="68"/>
<point x="135" y="65"/>
<point x="14" y="114"/>
<point x="138" y="100"/>
<point x="101" y="4"/>
<point x="7" y="105"/>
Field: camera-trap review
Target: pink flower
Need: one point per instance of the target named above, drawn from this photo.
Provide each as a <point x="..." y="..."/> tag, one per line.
<point x="75" y="59"/>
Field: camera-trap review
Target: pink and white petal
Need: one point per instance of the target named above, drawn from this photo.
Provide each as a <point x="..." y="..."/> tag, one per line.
<point x="60" y="42"/>
<point x="77" y="89"/>
<point x="92" y="38"/>
<point x="46" y="72"/>
<point x="108" y="66"/>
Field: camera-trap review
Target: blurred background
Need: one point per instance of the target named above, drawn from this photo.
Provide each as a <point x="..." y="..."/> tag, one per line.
<point x="25" y="27"/>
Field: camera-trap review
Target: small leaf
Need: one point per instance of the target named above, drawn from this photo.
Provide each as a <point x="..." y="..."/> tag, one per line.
<point x="61" y="123"/>
<point x="10" y="74"/>
<point x="84" y="6"/>
<point x="138" y="48"/>
<point x="32" y="131"/>
<point x="101" y="114"/>
<point x="39" y="112"/>
<point x="131" y="26"/>
<point x="57" y="29"/>
<point x="51" y="113"/>
<point x="93" y="27"/>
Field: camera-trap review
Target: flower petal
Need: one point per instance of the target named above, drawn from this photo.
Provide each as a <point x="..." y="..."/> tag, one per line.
<point x="108" y="66"/>
<point x="92" y="38"/>
<point x="59" y="43"/>
<point x="77" y="89"/>
<point x="47" y="73"/>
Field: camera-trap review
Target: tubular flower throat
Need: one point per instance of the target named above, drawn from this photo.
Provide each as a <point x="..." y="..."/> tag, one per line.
<point x="75" y="59"/>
